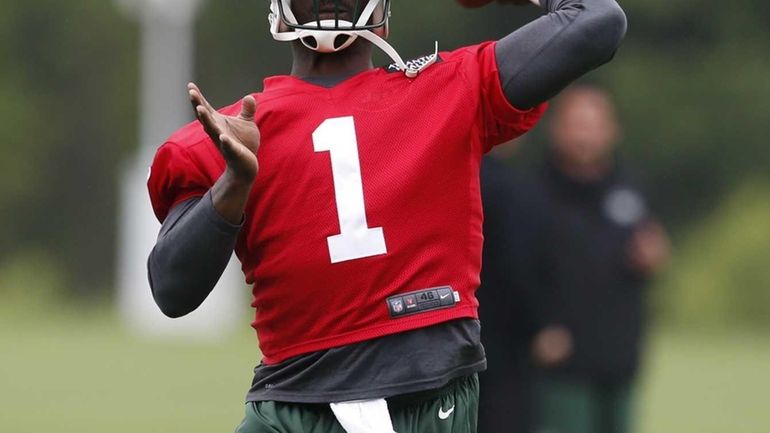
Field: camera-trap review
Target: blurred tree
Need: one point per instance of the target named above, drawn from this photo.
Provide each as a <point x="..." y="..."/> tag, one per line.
<point x="692" y="82"/>
<point x="721" y="278"/>
<point x="67" y="85"/>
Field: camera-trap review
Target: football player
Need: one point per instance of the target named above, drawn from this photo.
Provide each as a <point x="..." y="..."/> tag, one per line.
<point x="351" y="196"/>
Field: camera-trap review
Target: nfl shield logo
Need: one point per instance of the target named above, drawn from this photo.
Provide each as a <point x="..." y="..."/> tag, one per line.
<point x="397" y="305"/>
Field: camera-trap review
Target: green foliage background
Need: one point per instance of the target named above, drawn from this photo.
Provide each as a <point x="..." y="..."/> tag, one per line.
<point x="691" y="82"/>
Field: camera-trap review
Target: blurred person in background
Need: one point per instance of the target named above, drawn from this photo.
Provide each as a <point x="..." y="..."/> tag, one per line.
<point x="567" y="253"/>
<point x="513" y="255"/>
<point x="603" y="246"/>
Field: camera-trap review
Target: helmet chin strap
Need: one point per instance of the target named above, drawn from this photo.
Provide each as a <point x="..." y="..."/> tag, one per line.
<point x="325" y="39"/>
<point x="411" y="71"/>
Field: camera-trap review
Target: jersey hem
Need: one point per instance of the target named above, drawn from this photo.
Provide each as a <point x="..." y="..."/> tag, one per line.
<point x="394" y="326"/>
<point x="366" y="394"/>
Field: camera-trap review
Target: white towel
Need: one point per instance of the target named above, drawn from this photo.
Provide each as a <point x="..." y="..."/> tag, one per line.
<point x="366" y="416"/>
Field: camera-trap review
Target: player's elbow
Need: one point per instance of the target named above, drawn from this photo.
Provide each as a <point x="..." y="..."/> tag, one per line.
<point x="608" y="26"/>
<point x="615" y="24"/>
<point x="172" y="311"/>
<point x="171" y="295"/>
<point x="172" y="303"/>
<point x="167" y="300"/>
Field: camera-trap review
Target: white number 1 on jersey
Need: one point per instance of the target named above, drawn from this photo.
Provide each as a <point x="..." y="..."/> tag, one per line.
<point x="356" y="240"/>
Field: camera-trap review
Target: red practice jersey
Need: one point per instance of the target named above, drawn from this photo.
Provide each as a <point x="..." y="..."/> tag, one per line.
<point x="365" y="218"/>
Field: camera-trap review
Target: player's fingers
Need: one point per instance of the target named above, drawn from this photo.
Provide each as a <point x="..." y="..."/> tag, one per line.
<point x="248" y="108"/>
<point x="192" y="96"/>
<point x="195" y="92"/>
<point x="209" y="124"/>
<point x="229" y="147"/>
<point x="199" y="111"/>
<point x="198" y="101"/>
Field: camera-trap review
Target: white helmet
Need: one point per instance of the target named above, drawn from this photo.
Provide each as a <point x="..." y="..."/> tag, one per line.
<point x="333" y="35"/>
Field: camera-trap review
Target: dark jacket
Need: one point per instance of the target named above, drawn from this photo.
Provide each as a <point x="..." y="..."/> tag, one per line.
<point x="555" y="253"/>
<point x="592" y="290"/>
<point x="510" y="278"/>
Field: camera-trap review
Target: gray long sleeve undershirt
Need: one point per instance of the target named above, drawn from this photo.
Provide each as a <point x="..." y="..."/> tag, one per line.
<point x="193" y="248"/>
<point x="543" y="57"/>
<point x="535" y="62"/>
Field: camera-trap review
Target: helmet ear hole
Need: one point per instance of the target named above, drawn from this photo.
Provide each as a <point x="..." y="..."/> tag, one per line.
<point x="340" y="41"/>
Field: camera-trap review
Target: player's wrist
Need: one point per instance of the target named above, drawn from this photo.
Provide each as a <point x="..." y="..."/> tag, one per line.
<point x="235" y="180"/>
<point x="230" y="195"/>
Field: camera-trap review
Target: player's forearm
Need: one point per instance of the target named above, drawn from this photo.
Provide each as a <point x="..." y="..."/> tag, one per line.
<point x="229" y="196"/>
<point x="193" y="249"/>
<point x="540" y="59"/>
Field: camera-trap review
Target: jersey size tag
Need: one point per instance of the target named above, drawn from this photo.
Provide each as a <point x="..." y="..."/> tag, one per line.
<point x="421" y="301"/>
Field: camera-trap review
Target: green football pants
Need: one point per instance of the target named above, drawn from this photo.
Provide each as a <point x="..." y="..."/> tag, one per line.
<point x="451" y="409"/>
<point x="567" y="406"/>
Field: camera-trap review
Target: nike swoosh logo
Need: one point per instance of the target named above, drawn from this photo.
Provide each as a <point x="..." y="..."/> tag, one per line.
<point x="445" y="296"/>
<point x="445" y="415"/>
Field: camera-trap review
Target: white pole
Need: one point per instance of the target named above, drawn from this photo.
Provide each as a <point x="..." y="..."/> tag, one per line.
<point x="167" y="65"/>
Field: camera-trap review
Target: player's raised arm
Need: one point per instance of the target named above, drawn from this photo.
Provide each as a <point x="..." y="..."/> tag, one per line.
<point x="237" y="138"/>
<point x="198" y="235"/>
<point x="540" y="59"/>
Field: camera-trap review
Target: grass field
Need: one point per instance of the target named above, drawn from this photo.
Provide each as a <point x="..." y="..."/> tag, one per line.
<point x="84" y="373"/>
<point x="701" y="383"/>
